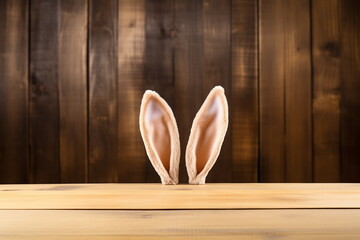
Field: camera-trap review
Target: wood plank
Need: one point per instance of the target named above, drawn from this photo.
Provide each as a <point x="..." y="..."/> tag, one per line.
<point x="159" y="57"/>
<point x="271" y="90"/>
<point x="244" y="224"/>
<point x="73" y="90"/>
<point x="188" y="64"/>
<point x="249" y="236"/>
<point x="14" y="48"/>
<point x="217" y="71"/>
<point x="244" y="90"/>
<point x="326" y="90"/>
<point x="44" y="92"/>
<point x="131" y="27"/>
<point x="350" y="101"/>
<point x="285" y="91"/>
<point x="298" y="96"/>
<point x="103" y="75"/>
<point x="157" y="196"/>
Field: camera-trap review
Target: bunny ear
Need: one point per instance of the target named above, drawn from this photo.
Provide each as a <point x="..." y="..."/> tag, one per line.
<point x="161" y="136"/>
<point x="207" y="135"/>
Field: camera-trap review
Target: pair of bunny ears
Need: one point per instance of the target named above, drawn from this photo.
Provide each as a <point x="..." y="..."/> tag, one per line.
<point x="161" y="136"/>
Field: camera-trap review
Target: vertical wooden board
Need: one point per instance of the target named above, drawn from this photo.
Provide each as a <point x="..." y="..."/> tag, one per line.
<point x="326" y="90"/>
<point x="131" y="27"/>
<point x="188" y="70"/>
<point x="350" y="100"/>
<point x="14" y="91"/>
<point x="103" y="116"/>
<point x="298" y="118"/>
<point x="244" y="86"/>
<point x="73" y="90"/>
<point x="217" y="71"/>
<point x="271" y="90"/>
<point x="159" y="57"/>
<point x="44" y="96"/>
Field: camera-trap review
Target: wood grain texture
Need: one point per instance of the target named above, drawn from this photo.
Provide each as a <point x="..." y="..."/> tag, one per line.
<point x="217" y="71"/>
<point x="73" y="91"/>
<point x="248" y="236"/>
<point x="244" y="91"/>
<point x="298" y="96"/>
<point x="44" y="90"/>
<point x="14" y="47"/>
<point x="188" y="69"/>
<point x="326" y="90"/>
<point x="285" y="91"/>
<point x="272" y="90"/>
<point x="131" y="47"/>
<point x="350" y="100"/>
<point x="219" y="224"/>
<point x="157" y="196"/>
<point x="159" y="57"/>
<point x="72" y="76"/>
<point x="103" y="90"/>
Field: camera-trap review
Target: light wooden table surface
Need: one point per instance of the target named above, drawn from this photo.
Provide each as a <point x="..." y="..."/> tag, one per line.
<point x="151" y="211"/>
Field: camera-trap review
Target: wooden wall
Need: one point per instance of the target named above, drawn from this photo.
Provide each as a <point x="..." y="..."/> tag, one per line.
<point x="72" y="74"/>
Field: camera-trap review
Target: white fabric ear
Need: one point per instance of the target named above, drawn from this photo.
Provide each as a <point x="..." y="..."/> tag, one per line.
<point x="161" y="136"/>
<point x="206" y="136"/>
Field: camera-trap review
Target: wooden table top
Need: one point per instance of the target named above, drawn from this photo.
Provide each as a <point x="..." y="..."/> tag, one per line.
<point x="149" y="211"/>
<point x="157" y="196"/>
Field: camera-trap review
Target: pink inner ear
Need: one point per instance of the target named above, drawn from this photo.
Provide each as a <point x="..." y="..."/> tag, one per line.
<point x="158" y="124"/>
<point x="208" y="132"/>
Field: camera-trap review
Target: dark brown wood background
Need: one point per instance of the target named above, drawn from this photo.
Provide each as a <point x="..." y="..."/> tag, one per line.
<point x="72" y="74"/>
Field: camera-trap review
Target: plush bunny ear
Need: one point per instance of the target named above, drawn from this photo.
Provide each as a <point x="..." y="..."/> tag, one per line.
<point x="161" y="136"/>
<point x="207" y="135"/>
